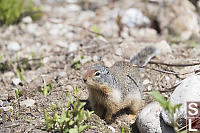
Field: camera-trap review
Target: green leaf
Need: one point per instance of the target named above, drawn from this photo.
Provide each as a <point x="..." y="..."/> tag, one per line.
<point x="81" y="128"/>
<point x="183" y="131"/>
<point x="170" y="108"/>
<point x="45" y="89"/>
<point x="63" y="116"/>
<point x="177" y="106"/>
<point x="95" y="29"/>
<point x="50" y="87"/>
<point x="158" y="97"/>
<point x="71" y="122"/>
<point x="73" y="130"/>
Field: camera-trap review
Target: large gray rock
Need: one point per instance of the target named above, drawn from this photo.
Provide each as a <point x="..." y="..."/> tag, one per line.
<point x="188" y="90"/>
<point x="150" y="120"/>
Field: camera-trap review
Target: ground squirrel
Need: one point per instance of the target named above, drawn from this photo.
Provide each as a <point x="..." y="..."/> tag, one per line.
<point x="112" y="89"/>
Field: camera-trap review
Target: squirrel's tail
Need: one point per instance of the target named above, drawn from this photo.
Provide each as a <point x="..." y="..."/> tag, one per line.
<point x="144" y="56"/>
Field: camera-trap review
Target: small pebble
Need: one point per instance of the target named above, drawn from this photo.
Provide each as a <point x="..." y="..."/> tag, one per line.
<point x="27" y="19"/>
<point x="111" y="128"/>
<point x="95" y="58"/>
<point x="146" y="81"/>
<point x="16" y="81"/>
<point x="28" y="102"/>
<point x="13" y="46"/>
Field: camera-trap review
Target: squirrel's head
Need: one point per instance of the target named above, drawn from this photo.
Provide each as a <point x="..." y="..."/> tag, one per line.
<point x="99" y="76"/>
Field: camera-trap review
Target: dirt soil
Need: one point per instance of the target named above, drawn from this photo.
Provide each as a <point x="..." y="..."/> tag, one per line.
<point x="52" y="44"/>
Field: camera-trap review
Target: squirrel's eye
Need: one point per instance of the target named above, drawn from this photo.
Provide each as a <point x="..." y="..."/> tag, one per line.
<point x="97" y="73"/>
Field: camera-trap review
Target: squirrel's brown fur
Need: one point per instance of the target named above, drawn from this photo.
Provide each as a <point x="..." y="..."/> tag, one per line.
<point x="117" y="87"/>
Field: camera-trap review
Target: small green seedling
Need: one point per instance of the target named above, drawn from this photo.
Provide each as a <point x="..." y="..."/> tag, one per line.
<point x="96" y="31"/>
<point x="20" y="73"/>
<point x="166" y="105"/>
<point x="47" y="89"/>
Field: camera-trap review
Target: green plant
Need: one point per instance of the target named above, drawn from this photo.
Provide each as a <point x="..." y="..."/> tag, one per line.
<point x="71" y="119"/>
<point x="20" y="73"/>
<point x="125" y="129"/>
<point x="11" y="11"/>
<point x="77" y="65"/>
<point x="1" y="57"/>
<point x="5" y="66"/>
<point x="96" y="31"/>
<point x="166" y="105"/>
<point x="46" y="90"/>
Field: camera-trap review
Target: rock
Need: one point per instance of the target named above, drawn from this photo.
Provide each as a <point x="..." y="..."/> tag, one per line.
<point x="33" y="28"/>
<point x="73" y="47"/>
<point x="27" y="19"/>
<point x="62" y="74"/>
<point x="188" y="90"/>
<point x="9" y="74"/>
<point x="13" y="46"/>
<point x="146" y="81"/>
<point x="8" y="108"/>
<point x="16" y="81"/>
<point x="27" y="103"/>
<point x="177" y="12"/>
<point x="111" y="128"/>
<point x="143" y="33"/>
<point x="118" y="52"/>
<point x="69" y="88"/>
<point x="1" y="103"/>
<point x="62" y="44"/>
<point x="134" y="18"/>
<point x="150" y="121"/>
<point x="95" y="58"/>
<point x="130" y="48"/>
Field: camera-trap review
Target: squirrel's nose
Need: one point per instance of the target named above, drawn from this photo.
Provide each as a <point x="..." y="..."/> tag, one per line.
<point x="85" y="80"/>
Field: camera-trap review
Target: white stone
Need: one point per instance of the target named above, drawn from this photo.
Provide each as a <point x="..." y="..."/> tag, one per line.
<point x="33" y="29"/>
<point x="62" y="44"/>
<point x="69" y="88"/>
<point x="118" y="51"/>
<point x="73" y="47"/>
<point x="62" y="74"/>
<point x="16" y="81"/>
<point x="27" y="19"/>
<point x="27" y="103"/>
<point x="13" y="46"/>
<point x="146" y="81"/>
<point x="188" y="90"/>
<point x="8" y="108"/>
<point x="149" y="88"/>
<point x="149" y="120"/>
<point x="95" y="58"/>
<point x="134" y="18"/>
<point x="111" y="128"/>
